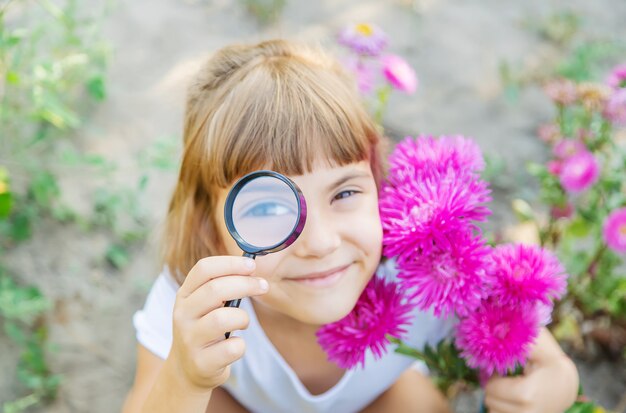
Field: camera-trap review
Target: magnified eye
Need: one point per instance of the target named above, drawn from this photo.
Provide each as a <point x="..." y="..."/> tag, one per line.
<point x="268" y="209"/>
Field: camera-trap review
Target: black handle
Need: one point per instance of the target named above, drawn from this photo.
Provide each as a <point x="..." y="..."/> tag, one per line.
<point x="235" y="303"/>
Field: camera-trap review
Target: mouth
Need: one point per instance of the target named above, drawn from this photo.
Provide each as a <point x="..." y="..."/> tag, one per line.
<point x="321" y="279"/>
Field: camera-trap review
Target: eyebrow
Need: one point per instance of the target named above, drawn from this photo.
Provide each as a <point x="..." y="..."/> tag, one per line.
<point x="346" y="178"/>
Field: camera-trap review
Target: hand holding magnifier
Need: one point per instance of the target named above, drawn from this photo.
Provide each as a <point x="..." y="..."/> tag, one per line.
<point x="264" y="212"/>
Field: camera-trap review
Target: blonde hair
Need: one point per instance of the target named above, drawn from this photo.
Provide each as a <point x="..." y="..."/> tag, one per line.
<point x="274" y="105"/>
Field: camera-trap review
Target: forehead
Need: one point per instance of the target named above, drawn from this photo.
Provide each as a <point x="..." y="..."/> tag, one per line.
<point x="324" y="176"/>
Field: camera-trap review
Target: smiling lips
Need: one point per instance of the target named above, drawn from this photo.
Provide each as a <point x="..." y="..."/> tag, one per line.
<point x="321" y="279"/>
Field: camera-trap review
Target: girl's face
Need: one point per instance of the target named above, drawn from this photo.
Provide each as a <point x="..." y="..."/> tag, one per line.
<point x="318" y="279"/>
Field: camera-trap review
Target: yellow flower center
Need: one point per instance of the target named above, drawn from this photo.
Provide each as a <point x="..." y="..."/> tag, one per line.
<point x="622" y="230"/>
<point x="365" y="29"/>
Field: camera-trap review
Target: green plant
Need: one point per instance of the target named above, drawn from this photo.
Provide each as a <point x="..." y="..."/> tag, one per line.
<point x="51" y="60"/>
<point x="21" y="309"/>
<point x="581" y="185"/>
<point x="51" y="64"/>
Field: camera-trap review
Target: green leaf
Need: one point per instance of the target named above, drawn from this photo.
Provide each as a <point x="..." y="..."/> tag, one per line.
<point x="13" y="78"/>
<point x="44" y="188"/>
<point x="578" y="228"/>
<point x="52" y="110"/>
<point x="143" y="182"/>
<point x="15" y="333"/>
<point x="21" y="226"/>
<point x="96" y="87"/>
<point x="21" y="404"/>
<point x="6" y="203"/>
<point x="117" y="256"/>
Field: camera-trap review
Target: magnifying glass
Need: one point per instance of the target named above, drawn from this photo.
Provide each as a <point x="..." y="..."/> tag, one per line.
<point x="264" y="212"/>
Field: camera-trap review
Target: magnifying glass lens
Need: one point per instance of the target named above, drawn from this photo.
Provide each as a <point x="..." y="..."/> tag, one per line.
<point x="265" y="212"/>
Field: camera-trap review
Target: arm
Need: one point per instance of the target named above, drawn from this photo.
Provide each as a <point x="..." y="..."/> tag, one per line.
<point x="200" y="356"/>
<point x="154" y="382"/>
<point x="549" y="383"/>
<point x="147" y="377"/>
<point x="412" y="392"/>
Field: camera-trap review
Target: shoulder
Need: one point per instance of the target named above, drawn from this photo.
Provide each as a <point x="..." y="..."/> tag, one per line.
<point x="153" y="323"/>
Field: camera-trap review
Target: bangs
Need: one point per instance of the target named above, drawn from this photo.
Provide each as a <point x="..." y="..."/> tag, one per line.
<point x="287" y="115"/>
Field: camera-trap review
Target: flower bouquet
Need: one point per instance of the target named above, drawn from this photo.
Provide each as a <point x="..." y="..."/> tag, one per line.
<point x="501" y="296"/>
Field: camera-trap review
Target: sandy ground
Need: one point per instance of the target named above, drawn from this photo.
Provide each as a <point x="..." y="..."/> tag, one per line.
<point x="456" y="47"/>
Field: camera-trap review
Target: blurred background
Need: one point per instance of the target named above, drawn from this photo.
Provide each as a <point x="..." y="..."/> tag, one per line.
<point x="91" y="101"/>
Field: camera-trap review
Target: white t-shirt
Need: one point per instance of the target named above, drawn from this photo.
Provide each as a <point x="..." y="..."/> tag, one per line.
<point x="263" y="382"/>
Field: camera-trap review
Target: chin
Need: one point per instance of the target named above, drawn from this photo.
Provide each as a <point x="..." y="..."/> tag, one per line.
<point x="327" y="311"/>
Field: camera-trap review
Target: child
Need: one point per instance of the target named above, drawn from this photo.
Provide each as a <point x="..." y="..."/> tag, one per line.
<point x="289" y="108"/>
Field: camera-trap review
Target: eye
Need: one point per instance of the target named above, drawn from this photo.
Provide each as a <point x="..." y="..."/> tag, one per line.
<point x="345" y="194"/>
<point x="268" y="209"/>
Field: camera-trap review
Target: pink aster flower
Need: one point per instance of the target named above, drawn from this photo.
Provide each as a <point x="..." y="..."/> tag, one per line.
<point x="381" y="310"/>
<point x="427" y="153"/>
<point x="448" y="281"/>
<point x="585" y="135"/>
<point x="614" y="230"/>
<point x="549" y="133"/>
<point x="364" y="72"/>
<point x="419" y="212"/>
<point x="615" y="108"/>
<point x="497" y="338"/>
<point x="521" y="274"/>
<point x="617" y="78"/>
<point x="561" y="91"/>
<point x="544" y="313"/>
<point x="364" y="39"/>
<point x="566" y="148"/>
<point x="579" y="172"/>
<point x="554" y="167"/>
<point x="399" y="73"/>
<point x="562" y="211"/>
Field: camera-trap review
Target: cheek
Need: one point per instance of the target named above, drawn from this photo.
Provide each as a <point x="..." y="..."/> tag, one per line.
<point x="266" y="265"/>
<point x="367" y="227"/>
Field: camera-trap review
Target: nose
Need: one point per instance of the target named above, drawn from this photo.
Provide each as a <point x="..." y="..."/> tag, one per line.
<point x="319" y="238"/>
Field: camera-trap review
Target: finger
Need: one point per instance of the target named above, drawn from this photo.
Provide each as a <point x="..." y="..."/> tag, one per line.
<point x="212" y="267"/>
<point x="222" y="354"/>
<point x="516" y="390"/>
<point x="211" y="328"/>
<point x="213" y="294"/>
<point x="500" y="406"/>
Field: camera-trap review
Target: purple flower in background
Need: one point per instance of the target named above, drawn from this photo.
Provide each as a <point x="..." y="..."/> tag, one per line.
<point x="524" y="274"/>
<point x="448" y="281"/>
<point x="561" y="91"/>
<point x="579" y="172"/>
<point x="549" y="133"/>
<point x="426" y="153"/>
<point x="617" y="78"/>
<point x="554" y="167"/>
<point x="364" y="39"/>
<point x="614" y="230"/>
<point x="399" y="73"/>
<point x="615" y="108"/>
<point x="566" y="148"/>
<point x="365" y="73"/>
<point x="562" y="211"/>
<point x="497" y="338"/>
<point x="381" y="310"/>
<point x="418" y="212"/>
